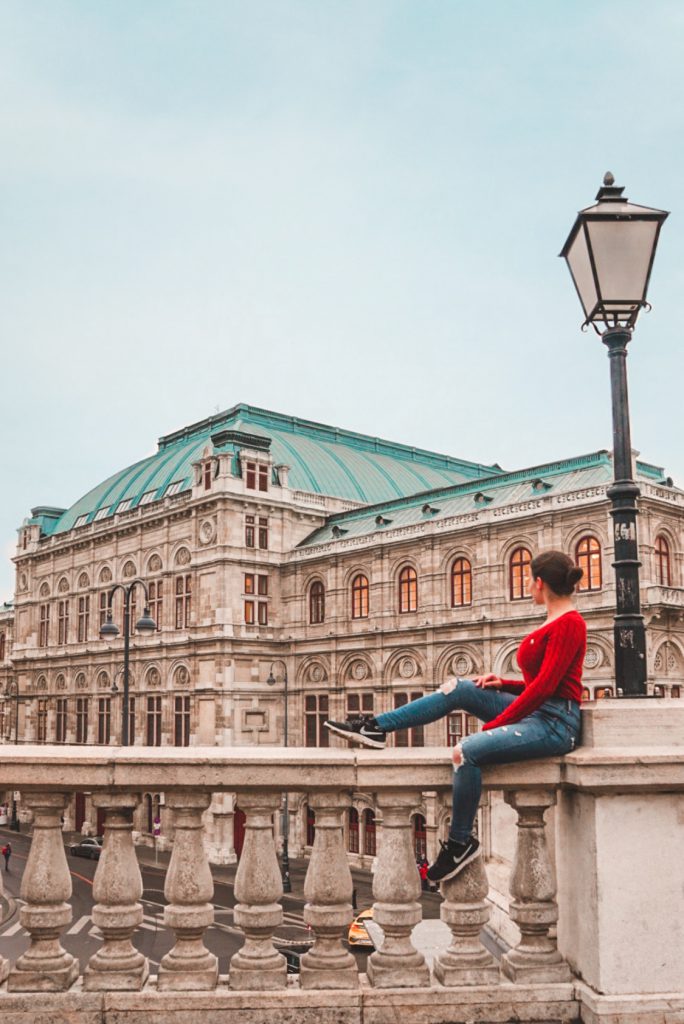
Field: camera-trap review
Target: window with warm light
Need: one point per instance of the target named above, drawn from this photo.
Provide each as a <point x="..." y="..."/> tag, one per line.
<point x="316" y="603"/>
<point x="408" y="590"/>
<point x="519" y="568"/>
<point x="360" y="592"/>
<point x="588" y="558"/>
<point x="461" y="583"/>
<point x="662" y="562"/>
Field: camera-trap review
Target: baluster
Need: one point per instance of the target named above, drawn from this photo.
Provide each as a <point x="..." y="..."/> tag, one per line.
<point x="117" y="887"/>
<point x="466" y="961"/>
<point x="396" y="888"/>
<point x="46" y="886"/>
<point x="258" y="887"/>
<point x="328" y="890"/>
<point x="189" y="888"/>
<point x="533" y="885"/>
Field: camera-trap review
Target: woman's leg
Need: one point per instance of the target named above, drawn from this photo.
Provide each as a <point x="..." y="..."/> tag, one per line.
<point x="534" y="736"/>
<point x="465" y="696"/>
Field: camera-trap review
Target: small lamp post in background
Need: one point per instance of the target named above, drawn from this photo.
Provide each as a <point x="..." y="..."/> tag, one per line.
<point x="287" y="885"/>
<point x="610" y="252"/>
<point x="109" y="631"/>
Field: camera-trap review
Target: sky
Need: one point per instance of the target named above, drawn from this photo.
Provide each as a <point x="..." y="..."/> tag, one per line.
<point x="345" y="211"/>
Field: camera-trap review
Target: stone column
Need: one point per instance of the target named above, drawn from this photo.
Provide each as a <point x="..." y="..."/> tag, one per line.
<point x="535" y="959"/>
<point x="396" y="888"/>
<point x="189" y="888"/>
<point x="466" y="961"/>
<point x="258" y="887"/>
<point x="46" y="886"/>
<point x="328" y="890"/>
<point x="4" y="964"/>
<point x="117" y="887"/>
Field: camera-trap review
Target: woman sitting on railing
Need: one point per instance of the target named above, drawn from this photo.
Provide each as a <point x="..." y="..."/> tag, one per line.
<point x="539" y="717"/>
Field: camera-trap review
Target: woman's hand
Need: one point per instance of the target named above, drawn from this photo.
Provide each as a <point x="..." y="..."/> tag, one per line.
<point x="488" y="681"/>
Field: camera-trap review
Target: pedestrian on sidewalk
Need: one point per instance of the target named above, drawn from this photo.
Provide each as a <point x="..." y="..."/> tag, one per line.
<point x="422" y="871"/>
<point x="7" y="853"/>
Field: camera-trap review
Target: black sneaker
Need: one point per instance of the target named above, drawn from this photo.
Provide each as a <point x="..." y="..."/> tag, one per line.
<point x="361" y="730"/>
<point x="452" y="858"/>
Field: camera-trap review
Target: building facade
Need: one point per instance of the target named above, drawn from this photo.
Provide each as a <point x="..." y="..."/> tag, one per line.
<point x="355" y="572"/>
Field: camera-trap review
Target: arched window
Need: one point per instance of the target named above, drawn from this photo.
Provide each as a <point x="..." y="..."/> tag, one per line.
<point x="408" y="589"/>
<point x="662" y="556"/>
<point x="316" y="602"/>
<point x="519" y="567"/>
<point x="353" y="844"/>
<point x="461" y="583"/>
<point x="419" y="836"/>
<point x="588" y="558"/>
<point x="360" y="597"/>
<point x="369" y="833"/>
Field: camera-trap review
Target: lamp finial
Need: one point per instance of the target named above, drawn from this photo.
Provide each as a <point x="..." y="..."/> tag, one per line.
<point x="608" y="179"/>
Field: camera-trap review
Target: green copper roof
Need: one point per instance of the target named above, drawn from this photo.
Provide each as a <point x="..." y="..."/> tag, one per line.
<point x="519" y="486"/>
<point x="322" y="459"/>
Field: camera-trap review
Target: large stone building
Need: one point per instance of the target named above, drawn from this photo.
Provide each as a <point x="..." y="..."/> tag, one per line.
<point x="360" y="571"/>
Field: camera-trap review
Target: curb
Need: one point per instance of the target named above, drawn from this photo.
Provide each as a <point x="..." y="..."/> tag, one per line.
<point x="8" y="909"/>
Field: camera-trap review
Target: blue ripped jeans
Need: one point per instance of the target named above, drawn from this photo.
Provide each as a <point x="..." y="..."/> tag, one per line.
<point x="551" y="730"/>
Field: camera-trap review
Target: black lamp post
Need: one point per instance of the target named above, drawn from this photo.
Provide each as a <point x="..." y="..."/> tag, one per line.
<point x="109" y="631"/>
<point x="610" y="252"/>
<point x="287" y="885"/>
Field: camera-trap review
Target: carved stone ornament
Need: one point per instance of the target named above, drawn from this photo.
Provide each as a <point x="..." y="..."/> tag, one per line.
<point x="128" y="570"/>
<point x="44" y="590"/>
<point x="658" y="662"/>
<point x="461" y="665"/>
<point x="60" y="682"/>
<point x="63" y="585"/>
<point x="23" y="581"/>
<point x="154" y="564"/>
<point x="103" y="681"/>
<point x="41" y="683"/>
<point x="182" y="676"/>
<point x="84" y="580"/>
<point x="106" y="575"/>
<point x="592" y="659"/>
<point x="153" y="677"/>
<point x="316" y="673"/>
<point x="359" y="670"/>
<point x="81" y="681"/>
<point x="207" y="531"/>
<point x="407" y="668"/>
<point x="183" y="557"/>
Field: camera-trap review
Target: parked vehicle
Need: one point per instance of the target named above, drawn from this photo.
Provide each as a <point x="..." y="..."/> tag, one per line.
<point x="88" y="847"/>
<point x="358" y="933"/>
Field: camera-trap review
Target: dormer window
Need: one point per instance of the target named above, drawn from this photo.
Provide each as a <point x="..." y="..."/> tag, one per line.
<point x="256" y="476"/>
<point x="173" y="488"/>
<point x="82" y="520"/>
<point x="101" y="513"/>
<point x="147" y="497"/>
<point x="124" y="506"/>
<point x="207" y="475"/>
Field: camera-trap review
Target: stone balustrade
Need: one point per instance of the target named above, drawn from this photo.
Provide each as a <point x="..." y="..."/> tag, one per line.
<point x="546" y="976"/>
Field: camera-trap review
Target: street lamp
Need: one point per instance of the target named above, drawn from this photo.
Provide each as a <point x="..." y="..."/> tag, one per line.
<point x="610" y="252"/>
<point x="109" y="631"/>
<point x="287" y="885"/>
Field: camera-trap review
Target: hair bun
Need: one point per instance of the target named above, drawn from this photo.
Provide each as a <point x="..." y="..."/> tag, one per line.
<point x="574" y="575"/>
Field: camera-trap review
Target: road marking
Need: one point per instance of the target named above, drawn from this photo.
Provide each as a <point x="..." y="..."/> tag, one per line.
<point x="80" y="925"/>
<point x="12" y="930"/>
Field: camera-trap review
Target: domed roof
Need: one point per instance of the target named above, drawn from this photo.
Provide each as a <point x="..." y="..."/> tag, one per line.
<point x="322" y="459"/>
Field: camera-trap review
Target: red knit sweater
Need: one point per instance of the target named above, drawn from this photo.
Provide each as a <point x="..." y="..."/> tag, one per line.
<point x="551" y="661"/>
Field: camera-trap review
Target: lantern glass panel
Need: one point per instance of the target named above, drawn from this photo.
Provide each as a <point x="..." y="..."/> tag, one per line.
<point x="622" y="251"/>
<point x="580" y="268"/>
